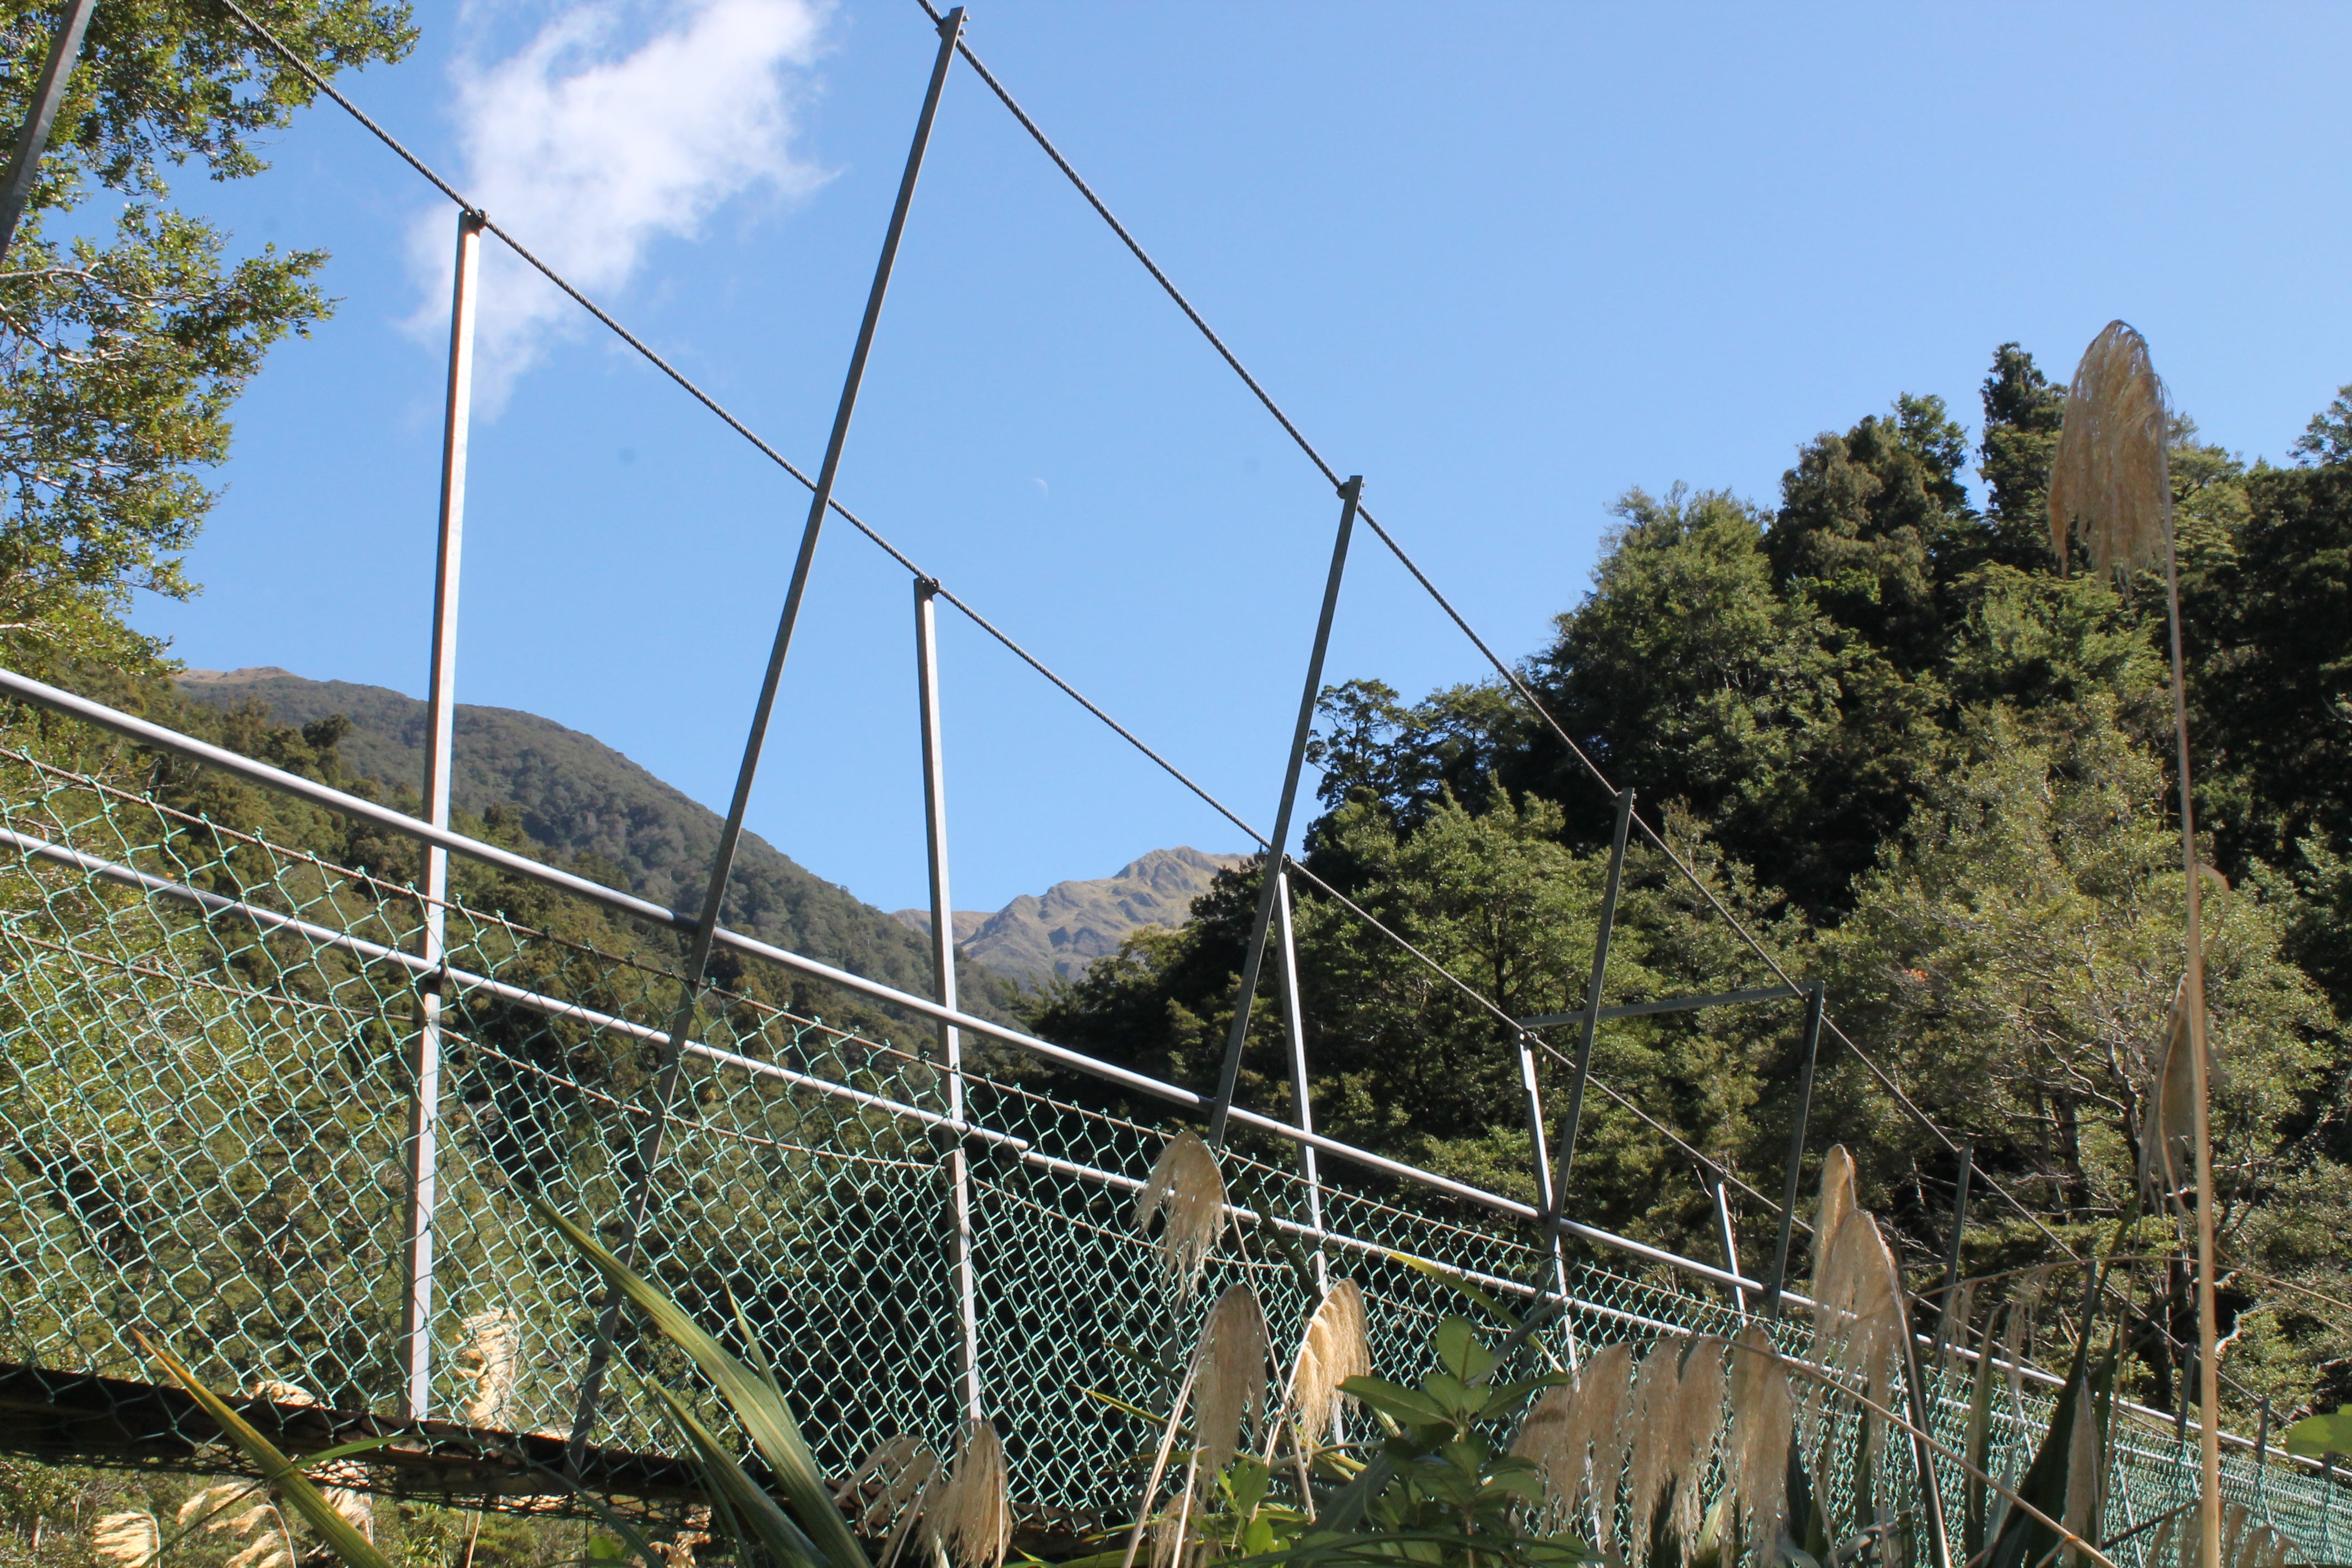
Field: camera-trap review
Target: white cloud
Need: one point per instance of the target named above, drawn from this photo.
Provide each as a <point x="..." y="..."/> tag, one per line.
<point x="587" y="146"/>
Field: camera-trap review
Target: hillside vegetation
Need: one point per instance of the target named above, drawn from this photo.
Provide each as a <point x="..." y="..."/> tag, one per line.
<point x="588" y="807"/>
<point x="1918" y="763"/>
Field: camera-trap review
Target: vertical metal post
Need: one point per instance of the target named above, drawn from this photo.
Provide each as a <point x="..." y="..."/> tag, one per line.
<point x="1294" y="1020"/>
<point x="1952" y="1251"/>
<point x="1547" y="1200"/>
<point x="943" y="988"/>
<point x="1730" y="1242"/>
<point x="1593" y="992"/>
<point x="1351" y="493"/>
<point x="48" y="93"/>
<point x="425" y="1107"/>
<point x="1531" y="1094"/>
<point x="698" y="956"/>
<point x="1779" y="1276"/>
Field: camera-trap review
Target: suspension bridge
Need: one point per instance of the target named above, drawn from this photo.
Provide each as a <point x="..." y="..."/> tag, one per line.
<point x="286" y="1115"/>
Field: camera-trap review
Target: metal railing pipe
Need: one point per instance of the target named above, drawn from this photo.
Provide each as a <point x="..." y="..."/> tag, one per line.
<point x="147" y="733"/>
<point x="440" y="734"/>
<point x="943" y="984"/>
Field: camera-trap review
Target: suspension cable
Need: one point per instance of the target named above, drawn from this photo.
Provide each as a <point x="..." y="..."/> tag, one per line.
<point x="715" y="407"/>
<point x="322" y="85"/>
<point x="1511" y="677"/>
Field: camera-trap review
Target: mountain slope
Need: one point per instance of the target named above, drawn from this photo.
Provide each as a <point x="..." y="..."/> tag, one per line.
<point x="1071" y="924"/>
<point x="581" y="799"/>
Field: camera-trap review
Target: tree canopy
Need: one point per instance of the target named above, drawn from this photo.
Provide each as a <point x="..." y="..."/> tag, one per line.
<point x="1918" y="761"/>
<point x="127" y="329"/>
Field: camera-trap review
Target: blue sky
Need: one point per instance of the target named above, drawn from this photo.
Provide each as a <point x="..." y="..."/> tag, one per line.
<point x="1506" y="261"/>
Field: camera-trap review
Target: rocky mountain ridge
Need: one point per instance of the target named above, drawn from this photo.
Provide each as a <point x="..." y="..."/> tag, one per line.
<point x="1058" y="932"/>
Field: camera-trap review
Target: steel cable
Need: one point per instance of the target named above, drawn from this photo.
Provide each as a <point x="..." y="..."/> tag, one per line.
<point x="1510" y="676"/>
<point x="322" y="84"/>
<point x="978" y="619"/>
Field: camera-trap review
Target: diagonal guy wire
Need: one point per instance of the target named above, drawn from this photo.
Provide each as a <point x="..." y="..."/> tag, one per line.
<point x="1510" y="676"/>
<point x="320" y="84"/>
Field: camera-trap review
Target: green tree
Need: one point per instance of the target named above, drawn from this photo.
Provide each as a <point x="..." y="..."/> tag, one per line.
<point x="1402" y="1061"/>
<point x="2267" y="609"/>
<point x="2012" y="961"/>
<point x="1868" y="521"/>
<point x="2023" y="412"/>
<point x="1879" y="715"/>
<point x="1698" y="669"/>
<point x="125" y="342"/>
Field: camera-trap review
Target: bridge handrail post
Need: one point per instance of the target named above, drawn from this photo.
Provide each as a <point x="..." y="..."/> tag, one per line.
<point x="1294" y="1020"/>
<point x="424" y="1104"/>
<point x="943" y="987"/>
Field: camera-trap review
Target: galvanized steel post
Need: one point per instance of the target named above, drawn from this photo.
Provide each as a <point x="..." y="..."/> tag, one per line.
<point x="1350" y="494"/>
<point x="943" y="985"/>
<point x="698" y="956"/>
<point x="1546" y="1197"/>
<point x="1727" y="1237"/>
<point x="1592" y="991"/>
<point x="425" y="1107"/>
<point x="48" y="93"/>
<point x="1779" y="1275"/>
<point x="1294" y="1024"/>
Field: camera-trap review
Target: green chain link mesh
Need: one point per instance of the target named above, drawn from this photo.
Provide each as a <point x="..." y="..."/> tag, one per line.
<point x="207" y="1123"/>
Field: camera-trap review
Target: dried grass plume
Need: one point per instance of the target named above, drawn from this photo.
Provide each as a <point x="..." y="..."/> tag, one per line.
<point x="2169" y="1113"/>
<point x="1334" y="1348"/>
<point x="891" y="1489"/>
<point x="1608" y="1382"/>
<point x="1858" y="1317"/>
<point x="1698" y="1421"/>
<point x="1763" y="1424"/>
<point x="973" y="1518"/>
<point x="1229" y="1379"/>
<point x="1186" y="1186"/>
<point x="2111" y="482"/>
<point x="1837" y="1202"/>
<point x="1566" y="1423"/>
<point x="1650" y="1435"/>
<point x="221" y="1510"/>
<point x="492" y="1356"/>
<point x="339" y="1482"/>
<point x="129" y="1539"/>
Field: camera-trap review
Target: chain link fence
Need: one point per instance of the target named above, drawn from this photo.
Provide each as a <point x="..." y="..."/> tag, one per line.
<point x="207" y="1117"/>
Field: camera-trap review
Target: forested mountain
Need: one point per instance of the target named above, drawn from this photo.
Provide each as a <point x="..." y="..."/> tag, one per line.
<point x="593" y="810"/>
<point x="1919" y="764"/>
